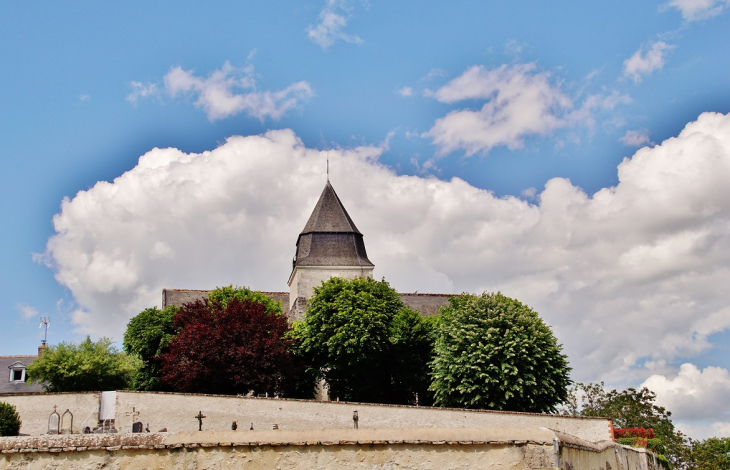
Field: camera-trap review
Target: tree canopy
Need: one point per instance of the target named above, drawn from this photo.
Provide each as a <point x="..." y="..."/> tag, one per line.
<point x="630" y="408"/>
<point x="82" y="367"/>
<point x="147" y="337"/>
<point x="229" y="344"/>
<point x="367" y="346"/>
<point x="493" y="352"/>
<point x="710" y="454"/>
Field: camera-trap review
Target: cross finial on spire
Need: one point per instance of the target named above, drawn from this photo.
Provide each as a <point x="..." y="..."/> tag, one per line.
<point x="328" y="166"/>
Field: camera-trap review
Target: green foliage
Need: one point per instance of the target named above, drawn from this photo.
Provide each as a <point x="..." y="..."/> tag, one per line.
<point x="223" y="295"/>
<point x="631" y="408"/>
<point x="88" y="366"/>
<point x="147" y="337"/>
<point x="655" y="445"/>
<point x="711" y="454"/>
<point x="367" y="346"/>
<point x="9" y="420"/>
<point x="493" y="352"/>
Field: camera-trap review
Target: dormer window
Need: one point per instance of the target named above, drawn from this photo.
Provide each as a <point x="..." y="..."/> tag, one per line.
<point x="17" y="372"/>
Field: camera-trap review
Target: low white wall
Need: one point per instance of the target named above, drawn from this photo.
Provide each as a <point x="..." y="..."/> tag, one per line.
<point x="177" y="411"/>
<point x="36" y="408"/>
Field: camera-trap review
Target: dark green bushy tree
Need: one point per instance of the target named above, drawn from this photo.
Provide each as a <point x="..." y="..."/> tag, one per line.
<point x="147" y="337"/>
<point x="367" y="346"/>
<point x="493" y="352"/>
<point x="9" y="420"/>
<point x="83" y="367"/>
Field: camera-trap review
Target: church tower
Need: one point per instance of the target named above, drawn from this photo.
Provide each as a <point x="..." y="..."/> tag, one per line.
<point x="329" y="246"/>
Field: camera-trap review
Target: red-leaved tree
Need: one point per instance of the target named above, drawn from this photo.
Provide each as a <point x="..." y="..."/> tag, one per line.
<point x="228" y="350"/>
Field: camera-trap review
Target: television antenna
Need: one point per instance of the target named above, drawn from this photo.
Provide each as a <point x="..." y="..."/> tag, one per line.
<point x="45" y="321"/>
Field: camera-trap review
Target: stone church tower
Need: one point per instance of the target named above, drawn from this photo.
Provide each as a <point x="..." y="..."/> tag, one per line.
<point x="329" y="246"/>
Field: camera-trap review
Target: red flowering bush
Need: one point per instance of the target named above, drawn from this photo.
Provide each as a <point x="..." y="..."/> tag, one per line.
<point x="645" y="433"/>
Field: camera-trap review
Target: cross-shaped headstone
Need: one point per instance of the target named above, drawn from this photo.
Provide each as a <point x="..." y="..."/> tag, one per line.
<point x="134" y="413"/>
<point x="200" y="420"/>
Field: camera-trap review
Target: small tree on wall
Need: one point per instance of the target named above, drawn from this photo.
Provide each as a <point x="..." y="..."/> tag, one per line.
<point x="9" y="420"/>
<point x="493" y="352"/>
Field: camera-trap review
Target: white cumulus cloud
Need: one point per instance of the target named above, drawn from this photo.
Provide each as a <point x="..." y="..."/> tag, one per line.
<point x="332" y="21"/>
<point x="636" y="138"/>
<point x="141" y="90"/>
<point x="225" y="92"/>
<point x="693" y="10"/>
<point x="232" y="90"/>
<point x="518" y="102"/>
<point x="644" y="62"/>
<point x="693" y="394"/>
<point x="26" y="311"/>
<point x="406" y="91"/>
<point x="626" y="275"/>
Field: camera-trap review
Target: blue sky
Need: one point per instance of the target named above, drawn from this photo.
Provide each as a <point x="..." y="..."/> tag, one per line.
<point x="479" y="103"/>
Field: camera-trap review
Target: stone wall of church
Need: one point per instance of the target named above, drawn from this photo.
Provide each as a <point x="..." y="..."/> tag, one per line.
<point x="427" y="304"/>
<point x="179" y="297"/>
<point x="305" y="278"/>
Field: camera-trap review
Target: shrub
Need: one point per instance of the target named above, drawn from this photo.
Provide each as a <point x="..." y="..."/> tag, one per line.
<point x="9" y="420"/>
<point x="646" y="433"/>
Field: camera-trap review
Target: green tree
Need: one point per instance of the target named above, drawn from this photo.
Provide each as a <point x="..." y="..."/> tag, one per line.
<point x="86" y="366"/>
<point x="359" y="337"/>
<point x="223" y="295"/>
<point x="493" y="352"/>
<point x="710" y="454"/>
<point x="9" y="420"/>
<point x="630" y="408"/>
<point x="147" y="337"/>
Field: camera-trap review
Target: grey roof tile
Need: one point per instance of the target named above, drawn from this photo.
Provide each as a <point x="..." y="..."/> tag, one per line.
<point x="6" y="386"/>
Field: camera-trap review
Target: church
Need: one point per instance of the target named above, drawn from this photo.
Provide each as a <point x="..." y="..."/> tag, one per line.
<point x="330" y="245"/>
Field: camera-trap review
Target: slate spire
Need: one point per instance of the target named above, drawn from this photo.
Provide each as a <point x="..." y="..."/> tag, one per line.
<point x="329" y="215"/>
<point x="330" y="237"/>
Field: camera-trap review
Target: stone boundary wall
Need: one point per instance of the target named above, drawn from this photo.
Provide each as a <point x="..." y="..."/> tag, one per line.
<point x="36" y="408"/>
<point x="527" y="448"/>
<point x="176" y="412"/>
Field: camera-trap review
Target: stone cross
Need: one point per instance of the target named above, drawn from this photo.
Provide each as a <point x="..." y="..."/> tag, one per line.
<point x="200" y="420"/>
<point x="134" y="413"/>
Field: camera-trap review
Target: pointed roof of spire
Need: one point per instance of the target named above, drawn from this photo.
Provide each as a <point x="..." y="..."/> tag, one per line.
<point x="329" y="215"/>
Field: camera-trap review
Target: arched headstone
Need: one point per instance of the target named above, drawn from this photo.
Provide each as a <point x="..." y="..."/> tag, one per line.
<point x="67" y="422"/>
<point x="54" y="422"/>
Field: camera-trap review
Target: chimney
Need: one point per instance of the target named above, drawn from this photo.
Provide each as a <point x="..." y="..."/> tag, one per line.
<point x="41" y="349"/>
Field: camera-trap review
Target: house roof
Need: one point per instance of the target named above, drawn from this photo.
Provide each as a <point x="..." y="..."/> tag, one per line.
<point x="6" y="386"/>
<point x="329" y="215"/>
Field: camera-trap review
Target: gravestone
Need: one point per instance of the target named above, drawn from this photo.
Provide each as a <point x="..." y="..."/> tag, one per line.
<point x="137" y="427"/>
<point x="54" y="422"/>
<point x="67" y="422"/>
